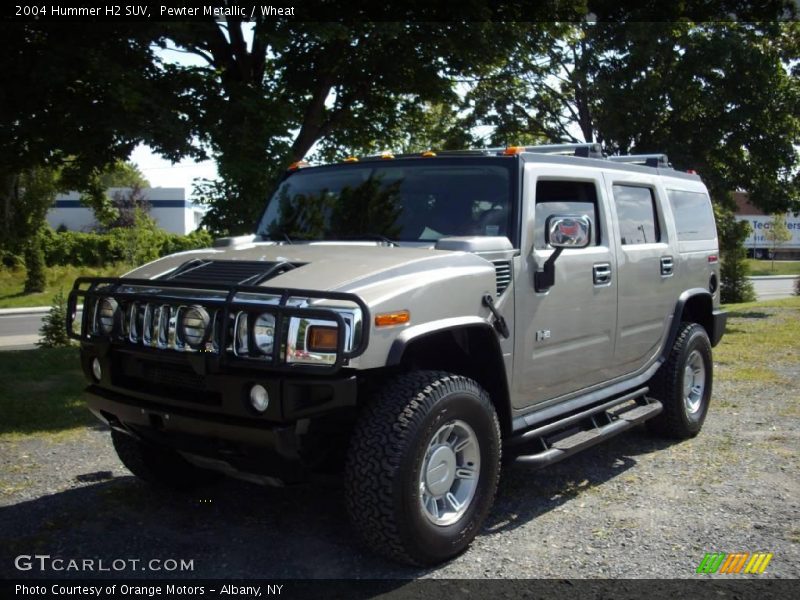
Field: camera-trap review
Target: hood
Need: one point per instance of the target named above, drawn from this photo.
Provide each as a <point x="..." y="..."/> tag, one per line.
<point x="325" y="266"/>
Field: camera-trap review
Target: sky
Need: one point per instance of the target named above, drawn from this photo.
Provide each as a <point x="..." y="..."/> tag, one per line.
<point x="160" y="172"/>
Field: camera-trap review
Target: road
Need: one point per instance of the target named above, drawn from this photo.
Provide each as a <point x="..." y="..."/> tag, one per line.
<point x="18" y="332"/>
<point x="772" y="288"/>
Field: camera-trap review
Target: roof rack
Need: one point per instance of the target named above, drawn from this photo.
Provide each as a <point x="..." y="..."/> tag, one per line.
<point x="648" y="160"/>
<point x="585" y="150"/>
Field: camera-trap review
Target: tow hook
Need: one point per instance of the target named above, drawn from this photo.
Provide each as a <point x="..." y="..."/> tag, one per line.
<point x="499" y="322"/>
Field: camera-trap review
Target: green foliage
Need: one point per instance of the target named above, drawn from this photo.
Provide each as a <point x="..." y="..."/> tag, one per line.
<point x="131" y="245"/>
<point x="778" y="233"/>
<point x="53" y="331"/>
<point x="734" y="287"/>
<point x="718" y="97"/>
<point x="115" y="210"/>
<point x="344" y="87"/>
<point x="12" y="261"/>
<point x="25" y="199"/>
<point x="35" y="281"/>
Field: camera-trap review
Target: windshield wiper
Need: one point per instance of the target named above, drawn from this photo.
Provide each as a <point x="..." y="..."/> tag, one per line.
<point x="370" y="236"/>
<point x="280" y="234"/>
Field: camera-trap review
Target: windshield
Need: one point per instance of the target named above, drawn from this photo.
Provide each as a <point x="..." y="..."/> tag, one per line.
<point x="406" y="201"/>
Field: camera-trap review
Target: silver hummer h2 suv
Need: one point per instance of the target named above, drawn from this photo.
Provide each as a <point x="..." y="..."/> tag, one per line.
<point x="401" y="320"/>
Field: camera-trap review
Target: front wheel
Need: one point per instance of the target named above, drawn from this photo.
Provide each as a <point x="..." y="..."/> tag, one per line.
<point x="423" y="467"/>
<point x="683" y="384"/>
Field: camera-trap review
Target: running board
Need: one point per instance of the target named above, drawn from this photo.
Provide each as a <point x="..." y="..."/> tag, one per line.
<point x="620" y="420"/>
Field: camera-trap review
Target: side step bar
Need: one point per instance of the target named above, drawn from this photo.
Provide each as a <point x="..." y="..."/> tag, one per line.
<point x="619" y="421"/>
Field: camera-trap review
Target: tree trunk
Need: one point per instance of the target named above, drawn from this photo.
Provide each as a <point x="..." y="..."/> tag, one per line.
<point x="8" y="189"/>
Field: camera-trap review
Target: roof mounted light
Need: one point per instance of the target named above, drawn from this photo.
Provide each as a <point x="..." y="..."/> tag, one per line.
<point x="387" y="156"/>
<point x="351" y="159"/>
<point x="300" y="164"/>
<point x="513" y="150"/>
<point x="428" y="154"/>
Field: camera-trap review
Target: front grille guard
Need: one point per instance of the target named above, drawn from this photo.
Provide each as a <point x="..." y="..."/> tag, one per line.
<point x="230" y="305"/>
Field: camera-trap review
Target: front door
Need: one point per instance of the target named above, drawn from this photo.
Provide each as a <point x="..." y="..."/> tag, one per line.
<point x="565" y="335"/>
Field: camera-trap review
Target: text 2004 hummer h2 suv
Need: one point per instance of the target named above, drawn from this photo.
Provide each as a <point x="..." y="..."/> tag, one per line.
<point x="406" y="318"/>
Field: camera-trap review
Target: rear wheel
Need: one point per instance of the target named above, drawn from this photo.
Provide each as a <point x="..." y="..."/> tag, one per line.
<point x="423" y="467"/>
<point x="159" y="465"/>
<point x="683" y="384"/>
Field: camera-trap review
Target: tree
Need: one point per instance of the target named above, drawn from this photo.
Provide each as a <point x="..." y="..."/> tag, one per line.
<point x="720" y="98"/>
<point x="777" y="234"/>
<point x="80" y="96"/>
<point x="53" y="333"/>
<point x="115" y="210"/>
<point x="734" y="284"/>
<point x="331" y="85"/>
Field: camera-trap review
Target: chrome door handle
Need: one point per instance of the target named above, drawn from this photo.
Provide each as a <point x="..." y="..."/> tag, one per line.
<point x="601" y="273"/>
<point x="667" y="266"/>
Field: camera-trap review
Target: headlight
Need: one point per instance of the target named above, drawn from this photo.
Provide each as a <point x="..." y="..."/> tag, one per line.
<point x="264" y="333"/>
<point x="194" y="326"/>
<point x="240" y="343"/>
<point x="106" y="313"/>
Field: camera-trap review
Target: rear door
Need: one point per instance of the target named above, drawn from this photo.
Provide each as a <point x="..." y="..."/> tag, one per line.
<point x="646" y="266"/>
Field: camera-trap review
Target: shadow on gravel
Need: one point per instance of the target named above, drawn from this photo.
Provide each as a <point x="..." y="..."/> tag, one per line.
<point x="527" y="493"/>
<point x="236" y="529"/>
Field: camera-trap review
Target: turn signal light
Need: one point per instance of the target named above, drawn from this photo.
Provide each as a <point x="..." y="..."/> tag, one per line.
<point x="512" y="150"/>
<point x="393" y="318"/>
<point x="322" y="339"/>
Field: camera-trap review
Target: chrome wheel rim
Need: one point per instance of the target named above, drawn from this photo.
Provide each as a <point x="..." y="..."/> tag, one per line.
<point x="449" y="474"/>
<point x="694" y="382"/>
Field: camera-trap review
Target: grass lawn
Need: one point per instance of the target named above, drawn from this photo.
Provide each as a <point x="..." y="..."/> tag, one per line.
<point x="12" y="282"/>
<point x="41" y="392"/>
<point x="782" y="267"/>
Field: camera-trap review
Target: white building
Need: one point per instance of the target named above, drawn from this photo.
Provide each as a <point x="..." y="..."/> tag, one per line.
<point x="168" y="206"/>
<point x="757" y="244"/>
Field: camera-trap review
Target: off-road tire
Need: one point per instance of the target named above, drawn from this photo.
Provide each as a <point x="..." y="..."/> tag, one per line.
<point x="387" y="450"/>
<point x="159" y="465"/>
<point x="667" y="386"/>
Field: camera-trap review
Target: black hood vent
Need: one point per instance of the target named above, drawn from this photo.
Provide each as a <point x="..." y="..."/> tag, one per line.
<point x="229" y="272"/>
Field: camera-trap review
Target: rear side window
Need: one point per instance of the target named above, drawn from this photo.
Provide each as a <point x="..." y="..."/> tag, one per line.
<point x="694" y="217"/>
<point x="636" y="212"/>
<point x="564" y="198"/>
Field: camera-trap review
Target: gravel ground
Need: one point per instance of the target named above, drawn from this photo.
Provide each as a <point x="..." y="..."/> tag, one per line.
<point x="634" y="507"/>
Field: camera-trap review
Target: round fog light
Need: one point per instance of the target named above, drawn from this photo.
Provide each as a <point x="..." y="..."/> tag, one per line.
<point x="259" y="397"/>
<point x="97" y="370"/>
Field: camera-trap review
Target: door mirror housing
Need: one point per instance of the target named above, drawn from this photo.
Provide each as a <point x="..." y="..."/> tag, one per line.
<point x="568" y="231"/>
<point x="561" y="232"/>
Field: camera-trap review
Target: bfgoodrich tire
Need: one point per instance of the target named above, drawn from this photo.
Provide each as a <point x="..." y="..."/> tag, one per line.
<point x="159" y="465"/>
<point x="683" y="385"/>
<point x="423" y="467"/>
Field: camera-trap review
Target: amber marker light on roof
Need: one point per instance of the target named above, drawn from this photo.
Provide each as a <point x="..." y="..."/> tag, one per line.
<point x="351" y="159"/>
<point x="512" y="150"/>
<point x="387" y="155"/>
<point x="297" y="165"/>
<point x="398" y="317"/>
<point x="428" y="154"/>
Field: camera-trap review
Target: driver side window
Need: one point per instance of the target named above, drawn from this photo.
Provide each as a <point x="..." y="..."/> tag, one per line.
<point x="564" y="197"/>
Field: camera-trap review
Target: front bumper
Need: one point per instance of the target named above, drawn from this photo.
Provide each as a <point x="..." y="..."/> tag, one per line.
<point x="163" y="400"/>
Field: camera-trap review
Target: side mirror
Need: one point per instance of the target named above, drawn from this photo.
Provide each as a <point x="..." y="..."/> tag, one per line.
<point x="561" y="232"/>
<point x="566" y="231"/>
